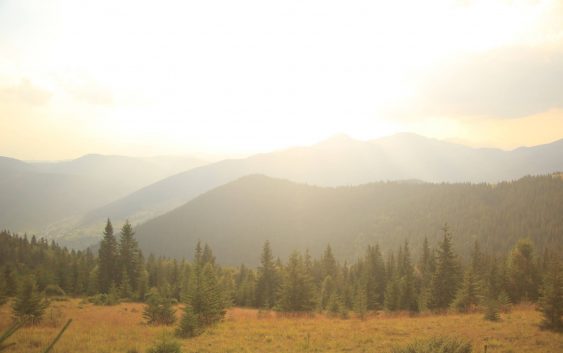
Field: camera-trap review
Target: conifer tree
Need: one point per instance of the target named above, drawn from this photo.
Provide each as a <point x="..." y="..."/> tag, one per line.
<point x="297" y="292"/>
<point x="375" y="277"/>
<point x="211" y="307"/>
<point x="551" y="298"/>
<point x="158" y="310"/>
<point x="491" y="310"/>
<point x="29" y="305"/>
<point x="129" y="256"/>
<point x="189" y="324"/>
<point x="125" y="286"/>
<point x="107" y="259"/>
<point x="267" y="282"/>
<point x="360" y="304"/>
<point x="468" y="294"/>
<point x="523" y="274"/>
<point x="445" y="279"/>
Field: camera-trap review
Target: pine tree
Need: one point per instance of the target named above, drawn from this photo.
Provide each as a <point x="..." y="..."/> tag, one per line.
<point x="267" y="283"/>
<point x="551" y="298"/>
<point x="158" y="310"/>
<point x="375" y="277"/>
<point x="107" y="259"/>
<point x="211" y="308"/>
<point x="29" y="305"/>
<point x="468" y="294"/>
<point x="189" y="324"/>
<point x="297" y="292"/>
<point x="360" y="304"/>
<point x="491" y="310"/>
<point x="445" y="279"/>
<point x="125" y="286"/>
<point x="10" y="282"/>
<point x="524" y="278"/>
<point x="129" y="256"/>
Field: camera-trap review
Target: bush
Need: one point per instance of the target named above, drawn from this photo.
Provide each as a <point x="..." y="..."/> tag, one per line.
<point x="103" y="299"/>
<point x="436" y="345"/>
<point x="165" y="344"/>
<point x="52" y="290"/>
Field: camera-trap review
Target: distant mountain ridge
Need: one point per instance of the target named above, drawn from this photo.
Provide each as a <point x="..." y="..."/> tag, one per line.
<point x="236" y="218"/>
<point x="34" y="195"/>
<point x="342" y="160"/>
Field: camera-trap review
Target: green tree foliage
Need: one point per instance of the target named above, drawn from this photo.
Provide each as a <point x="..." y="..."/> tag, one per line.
<point x="297" y="292"/>
<point x="29" y="305"/>
<point x="129" y="258"/>
<point x="267" y="284"/>
<point x="467" y="296"/>
<point x="445" y="280"/>
<point x="205" y="302"/>
<point x="523" y="273"/>
<point x="107" y="259"/>
<point x="492" y="310"/>
<point x="551" y="297"/>
<point x="360" y="304"/>
<point x="189" y="324"/>
<point x="158" y="310"/>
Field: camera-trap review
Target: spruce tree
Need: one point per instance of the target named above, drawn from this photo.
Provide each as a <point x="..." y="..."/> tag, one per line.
<point x="129" y="256"/>
<point x="551" y="298"/>
<point x="10" y="283"/>
<point x="297" y="292"/>
<point x="211" y="308"/>
<point x="107" y="259"/>
<point x="360" y="304"/>
<point x="524" y="278"/>
<point x="189" y="324"/>
<point x="445" y="280"/>
<point x="467" y="296"/>
<point x="158" y="310"/>
<point x="29" y="305"/>
<point x="267" y="283"/>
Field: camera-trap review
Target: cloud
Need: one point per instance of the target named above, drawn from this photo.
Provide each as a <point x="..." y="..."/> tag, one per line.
<point x="508" y="82"/>
<point x="24" y="93"/>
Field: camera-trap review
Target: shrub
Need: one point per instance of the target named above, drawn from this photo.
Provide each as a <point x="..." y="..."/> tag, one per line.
<point x="436" y="345"/>
<point x="103" y="299"/>
<point x="165" y="344"/>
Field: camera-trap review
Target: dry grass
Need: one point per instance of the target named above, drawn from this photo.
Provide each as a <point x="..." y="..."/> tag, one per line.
<point x="120" y="329"/>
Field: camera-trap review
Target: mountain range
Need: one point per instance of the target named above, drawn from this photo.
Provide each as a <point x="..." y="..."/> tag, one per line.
<point x="237" y="218"/>
<point x="342" y="160"/>
<point x="70" y="200"/>
<point x="35" y="195"/>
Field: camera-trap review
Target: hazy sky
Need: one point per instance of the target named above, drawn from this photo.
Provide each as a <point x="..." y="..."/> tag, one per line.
<point x="233" y="77"/>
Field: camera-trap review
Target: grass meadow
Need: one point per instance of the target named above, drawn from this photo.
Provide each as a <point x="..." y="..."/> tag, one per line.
<point x="120" y="328"/>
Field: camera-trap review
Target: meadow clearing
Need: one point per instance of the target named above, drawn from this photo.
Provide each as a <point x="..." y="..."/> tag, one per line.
<point x="120" y="328"/>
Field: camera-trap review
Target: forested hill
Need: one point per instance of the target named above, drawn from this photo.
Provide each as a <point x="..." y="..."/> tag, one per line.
<point x="236" y="218"/>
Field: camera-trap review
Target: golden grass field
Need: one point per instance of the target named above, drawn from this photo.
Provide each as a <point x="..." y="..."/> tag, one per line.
<point x="98" y="329"/>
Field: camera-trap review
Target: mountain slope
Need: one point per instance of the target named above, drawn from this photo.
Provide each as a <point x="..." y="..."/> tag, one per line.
<point x="343" y="161"/>
<point x="34" y="195"/>
<point x="236" y="218"/>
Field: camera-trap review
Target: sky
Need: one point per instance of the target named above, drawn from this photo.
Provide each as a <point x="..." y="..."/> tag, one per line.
<point x="222" y="77"/>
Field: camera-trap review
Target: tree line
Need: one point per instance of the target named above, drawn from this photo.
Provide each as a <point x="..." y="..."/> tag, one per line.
<point x="436" y="279"/>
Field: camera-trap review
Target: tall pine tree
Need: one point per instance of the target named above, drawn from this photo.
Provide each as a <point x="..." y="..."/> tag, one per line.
<point x="107" y="259"/>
